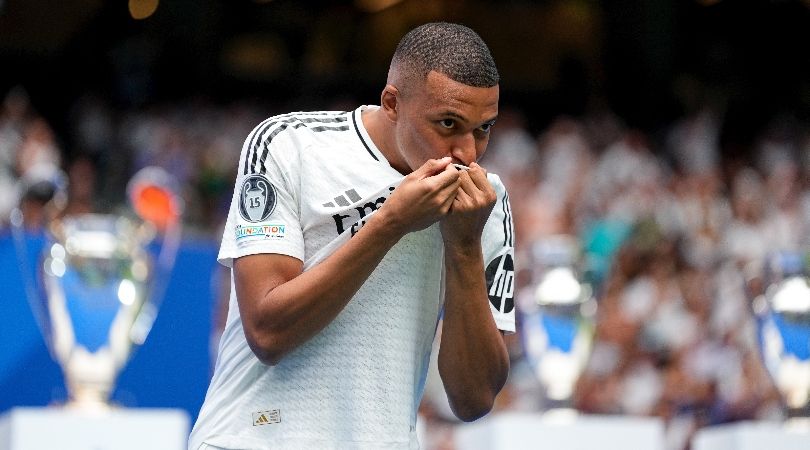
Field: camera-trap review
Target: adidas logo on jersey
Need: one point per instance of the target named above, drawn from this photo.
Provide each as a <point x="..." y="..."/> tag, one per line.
<point x="266" y="417"/>
<point x="340" y="200"/>
<point x="353" y="217"/>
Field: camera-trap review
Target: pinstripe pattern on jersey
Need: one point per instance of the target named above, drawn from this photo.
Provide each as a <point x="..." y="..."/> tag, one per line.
<point x="507" y="221"/>
<point x="263" y="134"/>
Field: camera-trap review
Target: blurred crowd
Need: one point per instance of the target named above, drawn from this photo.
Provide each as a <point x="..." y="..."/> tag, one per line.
<point x="675" y="237"/>
<point x="673" y="234"/>
<point x="197" y="143"/>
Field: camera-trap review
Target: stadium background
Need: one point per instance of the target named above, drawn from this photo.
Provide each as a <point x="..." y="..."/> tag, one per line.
<point x="105" y="94"/>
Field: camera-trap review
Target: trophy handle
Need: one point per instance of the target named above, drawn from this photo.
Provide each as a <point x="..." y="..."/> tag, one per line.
<point x="32" y="294"/>
<point x="154" y="196"/>
<point x="47" y="185"/>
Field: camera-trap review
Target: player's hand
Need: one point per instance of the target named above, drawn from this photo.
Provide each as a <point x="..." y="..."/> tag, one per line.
<point x="471" y="208"/>
<point x="424" y="197"/>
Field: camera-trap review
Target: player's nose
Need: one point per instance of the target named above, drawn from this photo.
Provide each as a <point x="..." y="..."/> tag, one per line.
<point x="463" y="149"/>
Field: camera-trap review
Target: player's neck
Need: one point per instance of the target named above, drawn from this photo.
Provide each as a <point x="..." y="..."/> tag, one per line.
<point x="381" y="131"/>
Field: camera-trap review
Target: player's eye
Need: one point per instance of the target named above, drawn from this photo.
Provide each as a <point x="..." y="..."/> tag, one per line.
<point x="485" y="127"/>
<point x="447" y="123"/>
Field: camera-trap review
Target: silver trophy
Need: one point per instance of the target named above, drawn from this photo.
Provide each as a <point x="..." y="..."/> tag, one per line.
<point x="99" y="280"/>
<point x="557" y="321"/>
<point x="783" y="318"/>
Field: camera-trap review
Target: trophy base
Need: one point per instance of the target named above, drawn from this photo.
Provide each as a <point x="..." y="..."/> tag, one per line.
<point x="752" y="436"/>
<point x="798" y="424"/>
<point x="80" y="429"/>
<point x="89" y="400"/>
<point x="529" y="431"/>
<point x="561" y="416"/>
<point x="89" y="406"/>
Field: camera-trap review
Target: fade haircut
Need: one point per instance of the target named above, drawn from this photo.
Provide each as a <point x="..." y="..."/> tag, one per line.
<point x="451" y="49"/>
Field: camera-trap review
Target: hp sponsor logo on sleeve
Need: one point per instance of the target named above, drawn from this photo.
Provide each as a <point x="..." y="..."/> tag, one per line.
<point x="257" y="198"/>
<point x="500" y="276"/>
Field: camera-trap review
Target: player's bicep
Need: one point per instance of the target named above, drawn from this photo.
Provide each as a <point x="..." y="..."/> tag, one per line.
<point x="255" y="276"/>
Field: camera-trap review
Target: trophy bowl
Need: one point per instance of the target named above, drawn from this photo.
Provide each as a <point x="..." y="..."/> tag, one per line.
<point x="558" y="325"/>
<point x="783" y="318"/>
<point x="99" y="282"/>
<point x="96" y="276"/>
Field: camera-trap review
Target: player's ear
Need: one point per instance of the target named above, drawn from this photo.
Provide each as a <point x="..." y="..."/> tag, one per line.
<point x="389" y="100"/>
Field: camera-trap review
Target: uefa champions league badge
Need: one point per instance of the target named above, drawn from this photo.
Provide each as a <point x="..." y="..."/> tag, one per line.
<point x="257" y="198"/>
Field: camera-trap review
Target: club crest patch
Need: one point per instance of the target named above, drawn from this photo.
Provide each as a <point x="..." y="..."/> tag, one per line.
<point x="257" y="198"/>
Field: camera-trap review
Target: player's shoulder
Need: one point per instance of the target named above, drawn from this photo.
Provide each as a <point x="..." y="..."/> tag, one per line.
<point x="502" y="212"/>
<point x="304" y="123"/>
<point x="498" y="234"/>
<point x="497" y="184"/>
<point x="285" y="135"/>
<point x="309" y="117"/>
<point x="295" y="130"/>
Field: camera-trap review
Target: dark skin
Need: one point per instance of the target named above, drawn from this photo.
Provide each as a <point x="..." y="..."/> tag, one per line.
<point x="422" y="127"/>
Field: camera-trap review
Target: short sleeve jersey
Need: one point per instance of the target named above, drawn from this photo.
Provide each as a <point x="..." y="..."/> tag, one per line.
<point x="307" y="183"/>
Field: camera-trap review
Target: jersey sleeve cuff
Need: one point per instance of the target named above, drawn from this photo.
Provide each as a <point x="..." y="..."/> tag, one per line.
<point x="226" y="256"/>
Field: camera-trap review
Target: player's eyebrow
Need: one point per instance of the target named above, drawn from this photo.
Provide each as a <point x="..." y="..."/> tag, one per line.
<point x="458" y="116"/>
<point x="454" y="115"/>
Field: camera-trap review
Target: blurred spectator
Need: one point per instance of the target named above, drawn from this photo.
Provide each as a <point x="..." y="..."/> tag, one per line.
<point x="29" y="159"/>
<point x="693" y="143"/>
<point x="81" y="197"/>
<point x="38" y="147"/>
<point x="12" y="115"/>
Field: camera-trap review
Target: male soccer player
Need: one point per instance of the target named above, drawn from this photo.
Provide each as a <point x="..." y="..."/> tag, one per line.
<point x="349" y="235"/>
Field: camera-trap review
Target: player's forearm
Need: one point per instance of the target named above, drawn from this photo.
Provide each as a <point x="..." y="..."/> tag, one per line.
<point x="473" y="361"/>
<point x="295" y="311"/>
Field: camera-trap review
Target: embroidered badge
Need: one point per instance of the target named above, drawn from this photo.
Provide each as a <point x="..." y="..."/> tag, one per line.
<point x="260" y="231"/>
<point x="257" y="198"/>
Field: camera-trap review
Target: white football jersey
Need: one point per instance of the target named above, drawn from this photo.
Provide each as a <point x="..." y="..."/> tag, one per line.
<point x="306" y="184"/>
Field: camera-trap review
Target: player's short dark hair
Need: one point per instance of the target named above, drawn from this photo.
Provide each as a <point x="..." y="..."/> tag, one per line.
<point x="451" y="49"/>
